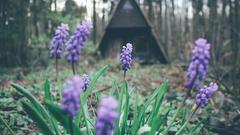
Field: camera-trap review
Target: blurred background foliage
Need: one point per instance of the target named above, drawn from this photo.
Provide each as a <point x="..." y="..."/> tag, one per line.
<point x="26" y="28"/>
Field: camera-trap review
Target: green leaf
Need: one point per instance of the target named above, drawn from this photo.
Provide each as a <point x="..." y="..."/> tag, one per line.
<point x="197" y="128"/>
<point x="125" y="107"/>
<point x="119" y="97"/>
<point x="6" y="125"/>
<point x="140" y="118"/>
<point x="62" y="117"/>
<point x="165" y="132"/>
<point x="158" y="121"/>
<point x="179" y="132"/>
<point x="47" y="93"/>
<point x="86" y="117"/>
<point x="156" y="107"/>
<point x="36" y="117"/>
<point x="37" y="105"/>
<point x="90" y="88"/>
<point x="93" y="81"/>
<point x="163" y="119"/>
<point x="154" y="118"/>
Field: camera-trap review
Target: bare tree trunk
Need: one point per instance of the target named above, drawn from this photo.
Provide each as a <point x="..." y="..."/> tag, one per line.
<point x="55" y="5"/>
<point x="186" y="32"/>
<point x="160" y="19"/>
<point x="211" y="34"/>
<point x="166" y="29"/>
<point x="150" y="10"/>
<point x="94" y="23"/>
<point x="222" y="31"/>
<point x="173" y="31"/>
<point x="35" y="14"/>
<point x="198" y="19"/>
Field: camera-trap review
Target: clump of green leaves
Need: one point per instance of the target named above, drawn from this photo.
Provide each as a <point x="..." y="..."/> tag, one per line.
<point x="150" y="117"/>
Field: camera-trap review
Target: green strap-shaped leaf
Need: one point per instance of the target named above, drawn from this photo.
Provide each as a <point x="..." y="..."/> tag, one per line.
<point x="86" y="117"/>
<point x="137" y="122"/>
<point x="158" y="121"/>
<point x="62" y="117"/>
<point x="158" y="102"/>
<point x="93" y="82"/>
<point x="47" y="94"/>
<point x="6" y="125"/>
<point x="197" y="128"/>
<point x="37" y="105"/>
<point x="165" y="132"/>
<point x="125" y="107"/>
<point x="36" y="117"/>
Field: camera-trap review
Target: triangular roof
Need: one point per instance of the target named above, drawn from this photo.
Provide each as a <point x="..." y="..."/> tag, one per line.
<point x="143" y="21"/>
<point x="127" y="14"/>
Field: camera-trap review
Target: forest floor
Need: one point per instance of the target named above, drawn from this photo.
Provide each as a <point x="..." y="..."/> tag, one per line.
<point x="143" y="79"/>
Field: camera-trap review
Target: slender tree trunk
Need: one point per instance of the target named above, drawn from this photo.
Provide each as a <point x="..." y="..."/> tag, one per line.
<point x="211" y="34"/>
<point x="173" y="31"/>
<point x="150" y="10"/>
<point x="198" y="19"/>
<point x="235" y="44"/>
<point x="186" y="32"/>
<point x="35" y="14"/>
<point x="160" y="19"/>
<point x="166" y="29"/>
<point x="94" y="23"/>
<point x="55" y="5"/>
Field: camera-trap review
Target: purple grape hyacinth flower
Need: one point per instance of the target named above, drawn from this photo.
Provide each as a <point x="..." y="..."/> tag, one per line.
<point x="205" y="94"/>
<point x="86" y="81"/>
<point x="58" y="41"/>
<point x="76" y="41"/>
<point x="198" y="67"/>
<point x="71" y="96"/>
<point x="106" y="116"/>
<point x="126" y="57"/>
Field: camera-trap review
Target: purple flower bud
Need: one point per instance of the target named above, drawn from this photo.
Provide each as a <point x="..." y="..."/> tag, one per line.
<point x="76" y="41"/>
<point x="59" y="41"/>
<point x="205" y="94"/>
<point x="199" y="64"/>
<point x="126" y="57"/>
<point x="86" y="81"/>
<point x="106" y="116"/>
<point x="71" y="96"/>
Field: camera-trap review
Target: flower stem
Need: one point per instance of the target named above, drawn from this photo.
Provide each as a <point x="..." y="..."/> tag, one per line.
<point x="188" y="91"/>
<point x="56" y="68"/>
<point x="124" y="76"/>
<point x="73" y="68"/>
<point x="187" y="94"/>
<point x="71" y="125"/>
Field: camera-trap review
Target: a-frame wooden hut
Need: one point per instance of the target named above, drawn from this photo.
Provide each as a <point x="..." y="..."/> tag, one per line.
<point x="129" y="24"/>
